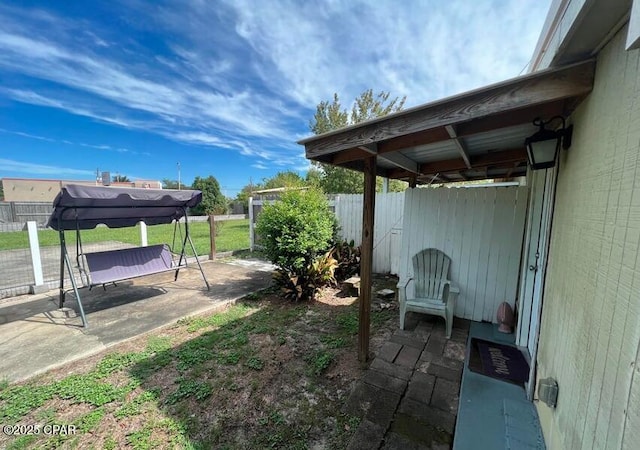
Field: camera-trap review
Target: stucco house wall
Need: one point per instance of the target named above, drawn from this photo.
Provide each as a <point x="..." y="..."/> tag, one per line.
<point x="39" y="190"/>
<point x="590" y="326"/>
<point x="23" y="190"/>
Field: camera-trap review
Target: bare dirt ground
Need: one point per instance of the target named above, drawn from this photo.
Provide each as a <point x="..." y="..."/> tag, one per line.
<point x="266" y="373"/>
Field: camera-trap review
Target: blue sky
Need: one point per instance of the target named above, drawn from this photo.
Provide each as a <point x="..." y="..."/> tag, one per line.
<point x="226" y="88"/>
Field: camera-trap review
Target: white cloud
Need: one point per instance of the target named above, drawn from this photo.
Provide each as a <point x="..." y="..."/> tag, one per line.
<point x="245" y="75"/>
<point x="10" y="165"/>
<point x="424" y="49"/>
<point x="27" y="135"/>
<point x="67" y="142"/>
<point x="259" y="166"/>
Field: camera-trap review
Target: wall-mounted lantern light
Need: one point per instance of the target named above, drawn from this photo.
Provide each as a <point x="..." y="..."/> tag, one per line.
<point x="543" y="146"/>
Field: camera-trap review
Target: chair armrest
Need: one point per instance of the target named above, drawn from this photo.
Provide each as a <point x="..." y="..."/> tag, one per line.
<point x="452" y="296"/>
<point x="402" y="289"/>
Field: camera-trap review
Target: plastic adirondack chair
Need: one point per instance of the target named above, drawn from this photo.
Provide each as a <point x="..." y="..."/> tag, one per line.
<point x="433" y="291"/>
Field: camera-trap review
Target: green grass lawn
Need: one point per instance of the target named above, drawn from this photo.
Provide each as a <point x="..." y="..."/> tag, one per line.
<point x="232" y="235"/>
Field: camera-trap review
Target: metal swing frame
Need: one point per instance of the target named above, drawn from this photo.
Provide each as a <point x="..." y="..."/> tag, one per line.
<point x="83" y="268"/>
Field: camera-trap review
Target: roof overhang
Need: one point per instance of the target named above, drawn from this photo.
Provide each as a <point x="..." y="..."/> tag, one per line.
<point x="475" y="135"/>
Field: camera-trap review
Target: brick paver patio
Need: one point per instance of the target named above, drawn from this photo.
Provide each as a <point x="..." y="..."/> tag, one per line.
<point x="408" y="397"/>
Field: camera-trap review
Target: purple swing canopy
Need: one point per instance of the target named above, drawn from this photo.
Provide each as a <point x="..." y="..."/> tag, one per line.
<point x="84" y="207"/>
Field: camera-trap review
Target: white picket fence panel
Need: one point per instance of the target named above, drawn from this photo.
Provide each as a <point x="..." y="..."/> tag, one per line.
<point x="481" y="230"/>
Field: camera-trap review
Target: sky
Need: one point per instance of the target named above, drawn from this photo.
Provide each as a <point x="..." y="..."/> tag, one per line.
<point x="154" y="89"/>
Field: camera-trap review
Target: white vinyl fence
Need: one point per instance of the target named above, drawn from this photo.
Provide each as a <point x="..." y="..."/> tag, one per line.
<point x="481" y="230"/>
<point x="387" y="233"/>
<point x="387" y="227"/>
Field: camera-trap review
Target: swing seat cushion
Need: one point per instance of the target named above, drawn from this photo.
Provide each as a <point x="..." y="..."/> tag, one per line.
<point x="117" y="265"/>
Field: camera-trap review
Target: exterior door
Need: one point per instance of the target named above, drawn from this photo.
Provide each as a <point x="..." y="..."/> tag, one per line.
<point x="534" y="265"/>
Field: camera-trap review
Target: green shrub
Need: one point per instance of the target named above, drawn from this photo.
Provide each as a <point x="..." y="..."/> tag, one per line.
<point x="296" y="229"/>
<point x="347" y="256"/>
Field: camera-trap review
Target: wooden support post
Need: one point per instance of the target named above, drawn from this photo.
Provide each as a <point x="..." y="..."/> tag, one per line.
<point x="366" y="260"/>
<point x="212" y="236"/>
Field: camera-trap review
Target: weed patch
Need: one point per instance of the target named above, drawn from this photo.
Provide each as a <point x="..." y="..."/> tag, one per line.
<point x="19" y="400"/>
<point x="86" y="389"/>
<point x="320" y="361"/>
<point x="264" y="373"/>
<point x="334" y="341"/>
<point x="135" y="406"/>
<point x="348" y="322"/>
<point x="190" y="388"/>
<point x="254" y="363"/>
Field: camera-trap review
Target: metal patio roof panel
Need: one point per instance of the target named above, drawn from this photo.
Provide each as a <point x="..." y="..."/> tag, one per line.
<point x="432" y="152"/>
<point x="499" y="139"/>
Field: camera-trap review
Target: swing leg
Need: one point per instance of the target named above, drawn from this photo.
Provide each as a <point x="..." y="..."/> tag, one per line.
<point x="182" y="255"/>
<point x="199" y="266"/>
<point x="62" y="262"/>
<point x="75" y="290"/>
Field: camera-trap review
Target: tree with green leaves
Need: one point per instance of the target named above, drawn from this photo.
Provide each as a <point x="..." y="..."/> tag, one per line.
<point x="169" y="184"/>
<point x="281" y="179"/>
<point x="287" y="179"/>
<point x="213" y="202"/>
<point x="332" y="116"/>
<point x="120" y="179"/>
<point x="314" y="178"/>
<point x="246" y="192"/>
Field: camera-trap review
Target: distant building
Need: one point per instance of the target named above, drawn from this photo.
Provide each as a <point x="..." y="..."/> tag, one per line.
<point x="39" y="190"/>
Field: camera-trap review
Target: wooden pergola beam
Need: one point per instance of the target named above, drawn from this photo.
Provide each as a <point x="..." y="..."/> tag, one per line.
<point x="512" y="118"/>
<point x="463" y="151"/>
<point x="522" y="93"/>
<point x="470" y="128"/>
<point x="400" y="161"/>
<point x="480" y="161"/>
<point x="353" y="154"/>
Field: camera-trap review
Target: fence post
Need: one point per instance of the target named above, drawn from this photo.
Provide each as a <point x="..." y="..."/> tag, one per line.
<point x="212" y="236"/>
<point x="36" y="262"/>
<point x="143" y="234"/>
<point x="251" y="238"/>
<point x="14" y="216"/>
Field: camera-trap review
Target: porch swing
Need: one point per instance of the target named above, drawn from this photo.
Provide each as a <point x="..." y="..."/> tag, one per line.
<point x="79" y="207"/>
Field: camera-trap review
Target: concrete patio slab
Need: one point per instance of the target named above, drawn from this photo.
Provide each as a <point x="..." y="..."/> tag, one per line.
<point x="35" y="336"/>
